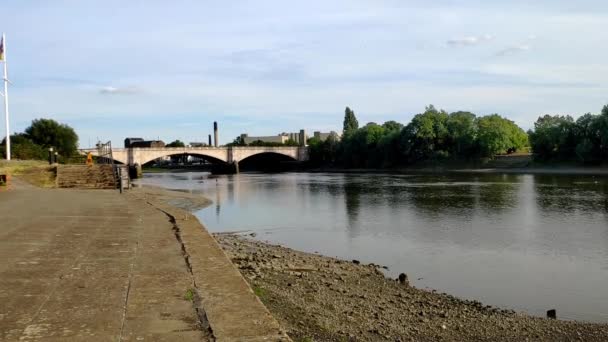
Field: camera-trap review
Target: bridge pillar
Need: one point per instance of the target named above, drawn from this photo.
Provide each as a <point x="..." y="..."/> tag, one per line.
<point x="135" y="171"/>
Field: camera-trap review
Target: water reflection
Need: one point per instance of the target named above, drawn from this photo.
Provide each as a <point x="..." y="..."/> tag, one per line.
<point x="470" y="235"/>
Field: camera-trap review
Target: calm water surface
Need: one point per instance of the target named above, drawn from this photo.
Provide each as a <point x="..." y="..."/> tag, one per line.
<point x="529" y="243"/>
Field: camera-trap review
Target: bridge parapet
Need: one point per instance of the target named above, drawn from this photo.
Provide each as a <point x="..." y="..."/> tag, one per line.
<point x="234" y="154"/>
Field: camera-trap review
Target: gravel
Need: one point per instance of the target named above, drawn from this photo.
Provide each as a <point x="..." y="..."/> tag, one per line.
<point x="317" y="298"/>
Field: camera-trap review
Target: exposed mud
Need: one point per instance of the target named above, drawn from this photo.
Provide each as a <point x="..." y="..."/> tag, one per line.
<point x="317" y="298"/>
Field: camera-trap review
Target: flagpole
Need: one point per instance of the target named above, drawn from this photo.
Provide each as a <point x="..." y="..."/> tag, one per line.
<point x="8" y="131"/>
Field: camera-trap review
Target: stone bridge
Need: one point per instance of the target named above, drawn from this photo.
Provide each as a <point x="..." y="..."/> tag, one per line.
<point x="228" y="155"/>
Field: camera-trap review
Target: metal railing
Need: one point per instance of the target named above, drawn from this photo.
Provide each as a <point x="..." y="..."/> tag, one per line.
<point x="104" y="156"/>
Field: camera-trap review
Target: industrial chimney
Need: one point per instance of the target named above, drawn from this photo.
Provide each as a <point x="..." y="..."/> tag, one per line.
<point x="209" y="139"/>
<point x="215" y="133"/>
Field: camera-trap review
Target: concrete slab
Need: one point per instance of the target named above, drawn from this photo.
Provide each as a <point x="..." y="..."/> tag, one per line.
<point x="90" y="266"/>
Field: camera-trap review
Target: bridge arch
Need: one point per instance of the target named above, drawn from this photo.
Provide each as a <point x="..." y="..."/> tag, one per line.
<point x="242" y="154"/>
<point x="212" y="159"/>
<point x="142" y="156"/>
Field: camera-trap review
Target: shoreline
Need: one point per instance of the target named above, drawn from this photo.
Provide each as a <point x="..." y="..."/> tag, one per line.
<point x="565" y="171"/>
<point x="321" y="298"/>
<point x="327" y="299"/>
<point x="546" y="170"/>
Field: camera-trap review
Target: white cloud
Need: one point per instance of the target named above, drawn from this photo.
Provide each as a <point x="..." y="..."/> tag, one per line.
<point x="469" y="41"/>
<point x="525" y="46"/>
<point x="109" y="90"/>
<point x="513" y="50"/>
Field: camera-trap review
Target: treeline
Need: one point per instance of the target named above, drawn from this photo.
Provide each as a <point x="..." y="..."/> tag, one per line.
<point x="433" y="135"/>
<point x="41" y="135"/>
<point x="561" y="138"/>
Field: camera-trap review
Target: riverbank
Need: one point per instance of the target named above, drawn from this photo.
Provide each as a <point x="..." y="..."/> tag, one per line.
<point x="533" y="170"/>
<point x="317" y="298"/>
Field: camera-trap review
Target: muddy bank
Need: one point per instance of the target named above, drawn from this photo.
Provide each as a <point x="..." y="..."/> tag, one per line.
<point x="177" y="198"/>
<point x="318" y="298"/>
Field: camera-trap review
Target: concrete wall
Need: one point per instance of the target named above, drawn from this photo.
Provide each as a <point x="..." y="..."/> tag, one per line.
<point x="272" y="138"/>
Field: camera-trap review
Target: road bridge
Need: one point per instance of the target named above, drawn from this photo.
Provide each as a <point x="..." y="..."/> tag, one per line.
<point x="227" y="155"/>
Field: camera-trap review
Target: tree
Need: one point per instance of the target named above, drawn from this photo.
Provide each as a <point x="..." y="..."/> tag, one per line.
<point x="392" y="126"/>
<point x="49" y="133"/>
<point x="23" y="148"/>
<point x="427" y="134"/>
<point x="350" y="122"/>
<point x="176" y="143"/>
<point x="554" y="137"/>
<point x="499" y="135"/>
<point x="291" y="142"/>
<point x="462" y="131"/>
<point x="238" y="141"/>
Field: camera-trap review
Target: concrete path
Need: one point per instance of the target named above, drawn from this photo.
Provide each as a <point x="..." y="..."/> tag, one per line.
<point x="89" y="266"/>
<point x="95" y="265"/>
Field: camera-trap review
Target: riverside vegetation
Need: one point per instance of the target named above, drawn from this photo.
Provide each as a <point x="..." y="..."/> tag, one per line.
<point x="42" y="134"/>
<point x="436" y="136"/>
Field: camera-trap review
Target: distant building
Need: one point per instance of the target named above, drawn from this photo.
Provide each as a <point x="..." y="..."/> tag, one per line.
<point x="323" y="136"/>
<point x="281" y="138"/>
<point x="148" y="143"/>
<point x="197" y="144"/>
<point x="130" y="141"/>
<point x="271" y="138"/>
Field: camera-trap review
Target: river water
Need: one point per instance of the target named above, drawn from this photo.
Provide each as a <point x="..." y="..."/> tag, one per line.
<point x="524" y="242"/>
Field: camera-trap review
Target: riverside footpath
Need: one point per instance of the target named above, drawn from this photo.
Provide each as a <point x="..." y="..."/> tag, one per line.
<point x="95" y="265"/>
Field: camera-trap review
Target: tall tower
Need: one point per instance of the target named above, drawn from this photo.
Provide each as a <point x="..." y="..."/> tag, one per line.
<point x="215" y="133"/>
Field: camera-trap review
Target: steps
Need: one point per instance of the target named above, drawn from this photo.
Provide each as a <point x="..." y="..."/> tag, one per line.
<point x="86" y="176"/>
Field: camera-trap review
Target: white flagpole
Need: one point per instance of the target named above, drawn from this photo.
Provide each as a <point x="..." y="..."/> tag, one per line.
<point x="8" y="131"/>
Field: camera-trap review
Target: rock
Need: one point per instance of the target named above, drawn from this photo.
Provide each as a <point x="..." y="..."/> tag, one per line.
<point x="403" y="279"/>
<point x="552" y="314"/>
<point x="356" y="262"/>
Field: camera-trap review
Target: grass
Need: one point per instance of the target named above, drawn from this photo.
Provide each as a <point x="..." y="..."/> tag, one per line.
<point x="189" y="296"/>
<point x="259" y="291"/>
<point x="35" y="172"/>
<point x="305" y="339"/>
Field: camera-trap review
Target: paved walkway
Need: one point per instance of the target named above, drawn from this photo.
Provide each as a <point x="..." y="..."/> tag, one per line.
<point x="95" y="265"/>
<point x="88" y="266"/>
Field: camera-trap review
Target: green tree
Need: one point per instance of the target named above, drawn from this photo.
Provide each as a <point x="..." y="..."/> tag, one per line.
<point x="176" y="143"/>
<point x="23" y="148"/>
<point x="554" y="137"/>
<point x="291" y="142"/>
<point x="350" y="121"/>
<point x="392" y="126"/>
<point x="323" y="152"/>
<point x="426" y="135"/>
<point x="499" y="135"/>
<point x="462" y="131"/>
<point x="49" y="133"/>
<point x="238" y="141"/>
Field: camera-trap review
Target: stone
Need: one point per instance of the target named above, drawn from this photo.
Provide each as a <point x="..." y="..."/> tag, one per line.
<point x="403" y="279"/>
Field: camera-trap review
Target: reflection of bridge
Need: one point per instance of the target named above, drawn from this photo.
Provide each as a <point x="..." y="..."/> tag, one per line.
<point x="227" y="155"/>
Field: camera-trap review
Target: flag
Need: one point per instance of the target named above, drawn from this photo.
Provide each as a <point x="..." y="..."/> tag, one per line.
<point x="2" y="49"/>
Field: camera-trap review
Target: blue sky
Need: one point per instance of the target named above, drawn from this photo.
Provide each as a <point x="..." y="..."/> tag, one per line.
<point x="168" y="69"/>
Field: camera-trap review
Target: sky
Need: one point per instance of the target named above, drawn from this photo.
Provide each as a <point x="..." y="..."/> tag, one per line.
<point x="167" y="69"/>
